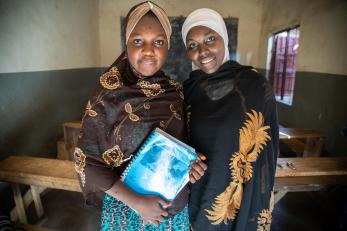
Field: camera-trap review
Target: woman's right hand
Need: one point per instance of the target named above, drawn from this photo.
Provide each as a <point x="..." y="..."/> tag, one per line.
<point x="151" y="209"/>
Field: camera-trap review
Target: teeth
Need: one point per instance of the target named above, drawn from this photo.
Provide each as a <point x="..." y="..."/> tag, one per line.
<point x="206" y="60"/>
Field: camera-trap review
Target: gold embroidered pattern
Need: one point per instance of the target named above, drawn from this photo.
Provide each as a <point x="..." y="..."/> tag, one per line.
<point x="111" y="80"/>
<point x="175" y="113"/>
<point x="178" y="87"/>
<point x="129" y="110"/>
<point x="150" y="90"/>
<point x="80" y="164"/>
<point x="113" y="157"/>
<point x="265" y="217"/>
<point x="162" y="124"/>
<point x="146" y="106"/>
<point x="90" y="111"/>
<point x="253" y="138"/>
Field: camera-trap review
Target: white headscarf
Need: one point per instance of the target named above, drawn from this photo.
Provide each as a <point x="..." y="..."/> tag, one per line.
<point x="208" y="18"/>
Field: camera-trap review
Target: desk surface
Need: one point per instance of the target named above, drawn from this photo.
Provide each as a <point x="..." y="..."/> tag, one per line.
<point x="311" y="166"/>
<point x="289" y="133"/>
<point x="50" y="173"/>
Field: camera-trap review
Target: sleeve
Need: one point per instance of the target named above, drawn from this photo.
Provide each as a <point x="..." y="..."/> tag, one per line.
<point x="271" y="120"/>
<point x="94" y="175"/>
<point x="268" y="159"/>
<point x="182" y="198"/>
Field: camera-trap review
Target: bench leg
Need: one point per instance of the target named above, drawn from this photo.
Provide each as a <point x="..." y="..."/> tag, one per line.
<point x="35" y="191"/>
<point x="27" y="199"/>
<point x="313" y="147"/>
<point x="279" y="195"/>
<point x="18" y="199"/>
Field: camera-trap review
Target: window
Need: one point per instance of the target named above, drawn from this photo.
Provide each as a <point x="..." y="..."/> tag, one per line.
<point x="281" y="63"/>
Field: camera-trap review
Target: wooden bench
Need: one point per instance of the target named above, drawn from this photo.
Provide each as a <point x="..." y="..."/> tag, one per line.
<point x="39" y="174"/>
<point x="292" y="175"/>
<point x="309" y="174"/>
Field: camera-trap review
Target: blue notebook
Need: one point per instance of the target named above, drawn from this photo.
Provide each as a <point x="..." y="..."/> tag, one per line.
<point x="160" y="167"/>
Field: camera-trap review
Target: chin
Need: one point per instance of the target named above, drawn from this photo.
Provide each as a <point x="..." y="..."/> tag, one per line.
<point x="209" y="70"/>
<point x="148" y="72"/>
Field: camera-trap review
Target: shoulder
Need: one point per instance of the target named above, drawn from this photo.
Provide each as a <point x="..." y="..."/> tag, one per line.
<point x="252" y="74"/>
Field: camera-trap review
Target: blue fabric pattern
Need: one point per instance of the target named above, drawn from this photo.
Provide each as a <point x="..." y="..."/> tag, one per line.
<point x="116" y="216"/>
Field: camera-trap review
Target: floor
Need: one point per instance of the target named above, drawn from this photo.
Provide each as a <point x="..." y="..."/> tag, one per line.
<point x="304" y="211"/>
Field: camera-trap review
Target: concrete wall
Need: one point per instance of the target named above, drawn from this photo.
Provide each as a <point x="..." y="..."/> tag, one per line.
<point x="323" y="30"/>
<point x="248" y="12"/>
<point x="39" y="35"/>
<point x="320" y="98"/>
<point x="47" y="53"/>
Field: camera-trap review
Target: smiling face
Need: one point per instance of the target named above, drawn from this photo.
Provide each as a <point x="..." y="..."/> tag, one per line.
<point x="205" y="48"/>
<point x="147" y="47"/>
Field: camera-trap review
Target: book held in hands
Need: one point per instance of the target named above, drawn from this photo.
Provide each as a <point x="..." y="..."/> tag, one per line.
<point x="160" y="167"/>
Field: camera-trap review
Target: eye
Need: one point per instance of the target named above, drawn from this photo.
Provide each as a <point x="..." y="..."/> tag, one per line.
<point x="159" y="43"/>
<point x="137" y="42"/>
<point x="192" y="46"/>
<point x="210" y="39"/>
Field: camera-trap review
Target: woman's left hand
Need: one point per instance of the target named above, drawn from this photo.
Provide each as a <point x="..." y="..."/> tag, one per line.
<point x="197" y="169"/>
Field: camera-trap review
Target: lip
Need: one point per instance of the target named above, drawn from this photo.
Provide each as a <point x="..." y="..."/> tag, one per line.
<point x="148" y="61"/>
<point x="207" y="60"/>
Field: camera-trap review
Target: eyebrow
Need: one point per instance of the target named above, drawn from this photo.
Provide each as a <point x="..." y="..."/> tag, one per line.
<point x="207" y="33"/>
<point x="138" y="34"/>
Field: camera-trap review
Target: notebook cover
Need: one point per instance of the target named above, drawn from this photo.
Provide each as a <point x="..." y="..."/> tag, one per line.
<point x="160" y="167"/>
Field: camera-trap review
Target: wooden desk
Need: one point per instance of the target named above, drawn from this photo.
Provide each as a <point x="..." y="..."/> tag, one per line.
<point x="314" y="139"/>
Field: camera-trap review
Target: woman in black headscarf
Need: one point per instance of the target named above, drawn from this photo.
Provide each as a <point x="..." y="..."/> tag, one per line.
<point x="132" y="98"/>
<point x="232" y="120"/>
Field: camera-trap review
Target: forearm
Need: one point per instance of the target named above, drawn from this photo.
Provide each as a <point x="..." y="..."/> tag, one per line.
<point x="123" y="193"/>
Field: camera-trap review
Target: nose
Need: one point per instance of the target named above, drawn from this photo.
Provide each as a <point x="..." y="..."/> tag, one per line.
<point x="148" y="50"/>
<point x="203" y="50"/>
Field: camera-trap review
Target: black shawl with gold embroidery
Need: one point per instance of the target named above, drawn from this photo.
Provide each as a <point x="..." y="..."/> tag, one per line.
<point x="232" y="120"/>
<point x="122" y="112"/>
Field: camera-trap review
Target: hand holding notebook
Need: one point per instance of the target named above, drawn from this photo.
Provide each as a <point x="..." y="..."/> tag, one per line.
<point x="160" y="167"/>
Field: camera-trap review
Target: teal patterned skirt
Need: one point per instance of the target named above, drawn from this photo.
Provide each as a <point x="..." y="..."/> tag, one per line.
<point x="116" y="216"/>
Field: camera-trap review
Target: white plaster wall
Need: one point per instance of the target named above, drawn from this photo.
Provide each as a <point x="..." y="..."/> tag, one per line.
<point x="249" y="13"/>
<point x="37" y="35"/>
<point x="323" y="31"/>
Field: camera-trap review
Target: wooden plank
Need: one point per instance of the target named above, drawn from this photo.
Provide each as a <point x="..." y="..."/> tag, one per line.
<point x="37" y="200"/>
<point x="290" y="133"/>
<point x="313" y="147"/>
<point x="27" y="199"/>
<point x="44" y="172"/>
<point x="73" y="124"/>
<point x="28" y="227"/>
<point x="279" y="194"/>
<point x="312" y="166"/>
<point x="295" y="145"/>
<point x="308" y="183"/>
<point x="18" y="199"/>
<point x="71" y="132"/>
<point x="63" y="154"/>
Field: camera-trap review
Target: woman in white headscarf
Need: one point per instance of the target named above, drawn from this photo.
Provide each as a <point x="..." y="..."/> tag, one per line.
<point x="232" y="120"/>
